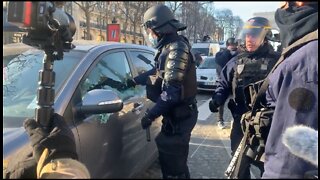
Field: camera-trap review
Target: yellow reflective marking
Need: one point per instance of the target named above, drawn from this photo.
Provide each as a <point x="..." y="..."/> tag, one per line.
<point x="250" y="27"/>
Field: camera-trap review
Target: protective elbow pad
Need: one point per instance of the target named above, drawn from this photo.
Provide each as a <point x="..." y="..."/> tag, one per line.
<point x="176" y="62"/>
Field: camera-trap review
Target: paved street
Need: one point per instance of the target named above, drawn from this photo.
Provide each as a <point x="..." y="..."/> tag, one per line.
<point x="209" y="151"/>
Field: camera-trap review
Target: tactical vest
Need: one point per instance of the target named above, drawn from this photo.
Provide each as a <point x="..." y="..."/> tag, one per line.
<point x="248" y="71"/>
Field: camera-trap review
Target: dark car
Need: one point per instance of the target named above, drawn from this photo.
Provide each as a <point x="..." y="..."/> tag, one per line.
<point x="111" y="144"/>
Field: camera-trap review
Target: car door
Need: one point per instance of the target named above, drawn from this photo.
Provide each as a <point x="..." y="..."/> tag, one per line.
<point x="108" y="143"/>
<point x="142" y="61"/>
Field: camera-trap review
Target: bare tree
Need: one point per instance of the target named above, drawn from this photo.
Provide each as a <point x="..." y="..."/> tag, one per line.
<point x="224" y="20"/>
<point x="133" y="13"/>
<point x="87" y="7"/>
<point x="207" y="21"/>
<point x="174" y="6"/>
<point x="237" y="26"/>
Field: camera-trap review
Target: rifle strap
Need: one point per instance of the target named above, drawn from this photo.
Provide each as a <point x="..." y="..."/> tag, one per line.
<point x="287" y="51"/>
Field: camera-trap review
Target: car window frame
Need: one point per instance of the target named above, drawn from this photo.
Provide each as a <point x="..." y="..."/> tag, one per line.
<point x="75" y="98"/>
<point x="131" y="64"/>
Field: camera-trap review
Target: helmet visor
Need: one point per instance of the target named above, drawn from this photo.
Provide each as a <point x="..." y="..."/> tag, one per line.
<point x="254" y="34"/>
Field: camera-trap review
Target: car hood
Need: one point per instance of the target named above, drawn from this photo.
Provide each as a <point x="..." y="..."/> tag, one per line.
<point x="206" y="72"/>
<point x="13" y="138"/>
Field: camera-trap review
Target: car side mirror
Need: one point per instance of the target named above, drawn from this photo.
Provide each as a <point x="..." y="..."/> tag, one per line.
<point x="100" y="101"/>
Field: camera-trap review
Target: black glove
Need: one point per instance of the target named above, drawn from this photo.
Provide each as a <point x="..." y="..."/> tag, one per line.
<point x="131" y="83"/>
<point x="146" y="121"/>
<point x="21" y="166"/>
<point x="213" y="106"/>
<point x="59" y="141"/>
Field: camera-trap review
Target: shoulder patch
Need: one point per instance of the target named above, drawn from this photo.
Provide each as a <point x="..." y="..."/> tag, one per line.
<point x="302" y="99"/>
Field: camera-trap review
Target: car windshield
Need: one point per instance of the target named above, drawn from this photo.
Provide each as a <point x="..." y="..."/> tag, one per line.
<point x="20" y="81"/>
<point x="208" y="63"/>
<point x="202" y="51"/>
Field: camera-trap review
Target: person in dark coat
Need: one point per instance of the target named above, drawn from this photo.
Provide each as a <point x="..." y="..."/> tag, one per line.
<point x="222" y="58"/>
<point x="293" y="89"/>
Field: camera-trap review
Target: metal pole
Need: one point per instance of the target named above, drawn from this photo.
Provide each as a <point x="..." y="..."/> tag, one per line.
<point x="46" y="93"/>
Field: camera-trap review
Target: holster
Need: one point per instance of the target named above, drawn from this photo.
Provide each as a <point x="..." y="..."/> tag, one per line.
<point x="169" y="126"/>
<point x="182" y="112"/>
<point x="153" y="87"/>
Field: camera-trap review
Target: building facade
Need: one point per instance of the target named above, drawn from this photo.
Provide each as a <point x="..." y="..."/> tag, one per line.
<point x="98" y="24"/>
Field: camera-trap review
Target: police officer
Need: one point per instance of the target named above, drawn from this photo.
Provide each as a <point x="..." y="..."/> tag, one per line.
<point x="222" y="58"/>
<point x="293" y="87"/>
<point x="173" y="92"/>
<point x="53" y="154"/>
<point x="249" y="66"/>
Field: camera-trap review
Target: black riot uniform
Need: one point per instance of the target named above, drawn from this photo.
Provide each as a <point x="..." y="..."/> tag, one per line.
<point x="172" y="86"/>
<point x="241" y="72"/>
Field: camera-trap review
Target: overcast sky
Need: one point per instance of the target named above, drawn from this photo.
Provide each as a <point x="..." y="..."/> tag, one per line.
<point x="245" y="9"/>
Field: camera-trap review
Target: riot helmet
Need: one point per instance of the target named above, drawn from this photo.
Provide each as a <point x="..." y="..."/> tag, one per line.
<point x="231" y="41"/>
<point x="257" y="28"/>
<point x="160" y="20"/>
<point x="232" y="45"/>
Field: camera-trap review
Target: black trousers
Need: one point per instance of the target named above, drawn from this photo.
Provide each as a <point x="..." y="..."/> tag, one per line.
<point x="173" y="145"/>
<point x="220" y="112"/>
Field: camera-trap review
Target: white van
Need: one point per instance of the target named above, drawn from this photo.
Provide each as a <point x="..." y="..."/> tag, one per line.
<point x="206" y="49"/>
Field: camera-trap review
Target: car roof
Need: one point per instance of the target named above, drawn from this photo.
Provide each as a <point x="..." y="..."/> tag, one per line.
<point x="90" y="45"/>
<point x="81" y="45"/>
<point x="15" y="48"/>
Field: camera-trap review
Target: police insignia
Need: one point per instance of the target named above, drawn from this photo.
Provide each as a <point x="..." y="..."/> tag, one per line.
<point x="240" y="68"/>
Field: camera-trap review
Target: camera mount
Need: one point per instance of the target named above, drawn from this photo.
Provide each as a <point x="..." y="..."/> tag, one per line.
<point x="49" y="29"/>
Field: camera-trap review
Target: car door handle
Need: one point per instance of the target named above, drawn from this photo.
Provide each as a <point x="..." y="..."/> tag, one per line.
<point x="137" y="107"/>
